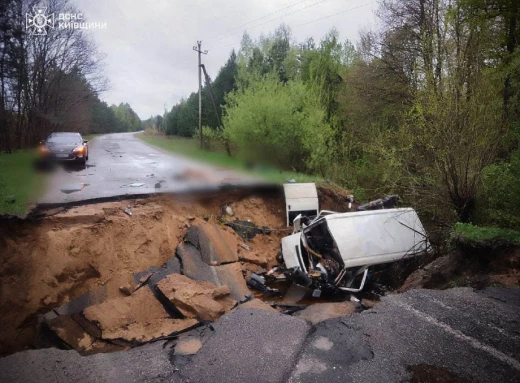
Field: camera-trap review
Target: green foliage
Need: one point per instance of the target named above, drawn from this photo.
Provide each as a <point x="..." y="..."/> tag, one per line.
<point x="276" y="122"/>
<point x="189" y="147"/>
<point x="18" y="181"/>
<point x="183" y="118"/>
<point x="126" y="119"/>
<point x="104" y="119"/>
<point x="499" y="200"/>
<point x="477" y="235"/>
<point x="213" y="139"/>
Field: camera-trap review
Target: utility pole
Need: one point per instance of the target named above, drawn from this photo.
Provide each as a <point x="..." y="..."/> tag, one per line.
<point x="197" y="48"/>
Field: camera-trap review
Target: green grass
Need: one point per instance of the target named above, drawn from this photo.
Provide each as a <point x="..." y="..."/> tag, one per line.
<point x="18" y="181"/>
<point x="482" y="235"/>
<point x="89" y="137"/>
<point x="188" y="147"/>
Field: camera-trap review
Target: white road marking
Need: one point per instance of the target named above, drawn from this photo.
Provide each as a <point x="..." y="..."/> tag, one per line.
<point x="460" y="335"/>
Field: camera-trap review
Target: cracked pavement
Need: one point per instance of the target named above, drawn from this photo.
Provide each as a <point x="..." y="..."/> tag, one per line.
<point x="457" y="335"/>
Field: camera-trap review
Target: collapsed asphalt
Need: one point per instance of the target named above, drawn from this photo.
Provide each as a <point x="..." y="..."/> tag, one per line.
<point x="457" y="335"/>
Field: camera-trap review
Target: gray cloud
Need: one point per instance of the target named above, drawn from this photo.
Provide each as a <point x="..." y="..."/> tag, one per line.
<point x="148" y="44"/>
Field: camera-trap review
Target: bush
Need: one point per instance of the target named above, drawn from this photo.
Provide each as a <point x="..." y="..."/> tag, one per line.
<point x="213" y="139"/>
<point x="499" y="201"/>
<point x="282" y="124"/>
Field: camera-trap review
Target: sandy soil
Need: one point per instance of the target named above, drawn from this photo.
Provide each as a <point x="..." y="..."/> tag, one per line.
<point x="47" y="263"/>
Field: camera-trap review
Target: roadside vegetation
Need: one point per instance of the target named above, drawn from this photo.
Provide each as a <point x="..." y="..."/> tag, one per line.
<point x="40" y="94"/>
<point x="189" y="147"/>
<point x="425" y="106"/>
<point x="482" y="236"/>
<point x="18" y="182"/>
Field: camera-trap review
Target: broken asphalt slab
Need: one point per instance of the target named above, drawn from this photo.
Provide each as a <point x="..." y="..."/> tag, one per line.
<point x="137" y="318"/>
<point x="216" y="246"/>
<point x="456" y="334"/>
<point x="195" y="299"/>
<point x="249" y="345"/>
<point x="229" y="274"/>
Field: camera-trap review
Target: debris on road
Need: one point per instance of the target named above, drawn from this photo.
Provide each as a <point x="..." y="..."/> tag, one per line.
<point x="247" y="229"/>
<point x="244" y="246"/>
<point x="126" y="289"/>
<point x="229" y="211"/>
<point x="258" y="282"/>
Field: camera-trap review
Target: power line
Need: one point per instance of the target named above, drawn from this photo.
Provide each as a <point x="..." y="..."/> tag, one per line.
<point x="255" y="20"/>
<point x="268" y="21"/>
<point x="313" y="21"/>
<point x="335" y="14"/>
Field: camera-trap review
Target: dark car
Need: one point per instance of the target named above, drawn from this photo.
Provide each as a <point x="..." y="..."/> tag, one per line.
<point x="64" y="146"/>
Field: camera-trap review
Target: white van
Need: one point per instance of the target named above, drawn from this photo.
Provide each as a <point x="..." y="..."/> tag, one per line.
<point x="335" y="249"/>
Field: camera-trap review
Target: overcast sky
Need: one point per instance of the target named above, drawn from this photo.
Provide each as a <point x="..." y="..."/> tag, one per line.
<point x="148" y="44"/>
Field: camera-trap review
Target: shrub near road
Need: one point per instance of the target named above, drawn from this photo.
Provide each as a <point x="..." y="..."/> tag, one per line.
<point x="18" y="181"/>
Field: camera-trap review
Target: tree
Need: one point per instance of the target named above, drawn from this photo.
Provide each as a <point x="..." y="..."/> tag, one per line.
<point x="278" y="123"/>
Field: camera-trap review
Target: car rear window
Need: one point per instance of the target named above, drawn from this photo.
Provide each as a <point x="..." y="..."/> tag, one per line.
<point x="65" y="139"/>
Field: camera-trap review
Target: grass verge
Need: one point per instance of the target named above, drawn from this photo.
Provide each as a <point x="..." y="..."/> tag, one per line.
<point x="18" y="181"/>
<point x="478" y="235"/>
<point x="188" y="147"/>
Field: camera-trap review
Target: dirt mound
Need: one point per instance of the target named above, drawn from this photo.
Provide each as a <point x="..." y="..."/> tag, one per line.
<point x="46" y="263"/>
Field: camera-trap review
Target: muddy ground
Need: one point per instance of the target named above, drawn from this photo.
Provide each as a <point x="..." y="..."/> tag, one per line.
<point x="68" y="252"/>
<point x="60" y="257"/>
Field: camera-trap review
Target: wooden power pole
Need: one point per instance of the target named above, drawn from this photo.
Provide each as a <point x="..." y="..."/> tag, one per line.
<point x="197" y="49"/>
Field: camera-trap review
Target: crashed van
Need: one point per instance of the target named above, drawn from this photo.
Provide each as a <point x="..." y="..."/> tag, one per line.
<point x="333" y="251"/>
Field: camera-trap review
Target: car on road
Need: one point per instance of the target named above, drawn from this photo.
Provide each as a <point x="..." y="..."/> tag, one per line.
<point x="64" y="146"/>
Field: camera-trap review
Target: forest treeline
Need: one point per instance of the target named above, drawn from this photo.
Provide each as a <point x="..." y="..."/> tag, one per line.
<point x="426" y="105"/>
<point x="52" y="82"/>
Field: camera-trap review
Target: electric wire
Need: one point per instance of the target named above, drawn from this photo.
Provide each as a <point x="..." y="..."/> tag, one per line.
<point x="313" y="21"/>
<point x="255" y="20"/>
<point x="271" y="20"/>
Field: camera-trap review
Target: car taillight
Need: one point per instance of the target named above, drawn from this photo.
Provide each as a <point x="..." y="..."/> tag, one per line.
<point x="79" y="150"/>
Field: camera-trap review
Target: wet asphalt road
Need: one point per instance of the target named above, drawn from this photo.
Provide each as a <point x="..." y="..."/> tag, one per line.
<point x="121" y="164"/>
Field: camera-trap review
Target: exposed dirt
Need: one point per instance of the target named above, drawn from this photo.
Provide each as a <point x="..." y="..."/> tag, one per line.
<point x="47" y="263"/>
<point x="495" y="268"/>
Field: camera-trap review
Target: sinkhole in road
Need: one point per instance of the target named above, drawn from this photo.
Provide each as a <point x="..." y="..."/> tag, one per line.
<point x="91" y="273"/>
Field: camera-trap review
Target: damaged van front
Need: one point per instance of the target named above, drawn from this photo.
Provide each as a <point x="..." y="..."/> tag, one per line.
<point x="334" y="250"/>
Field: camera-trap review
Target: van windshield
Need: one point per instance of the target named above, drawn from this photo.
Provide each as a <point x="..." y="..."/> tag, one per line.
<point x="323" y="248"/>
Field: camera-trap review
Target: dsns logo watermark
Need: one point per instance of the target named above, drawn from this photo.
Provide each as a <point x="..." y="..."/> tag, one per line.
<point x="38" y="22"/>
